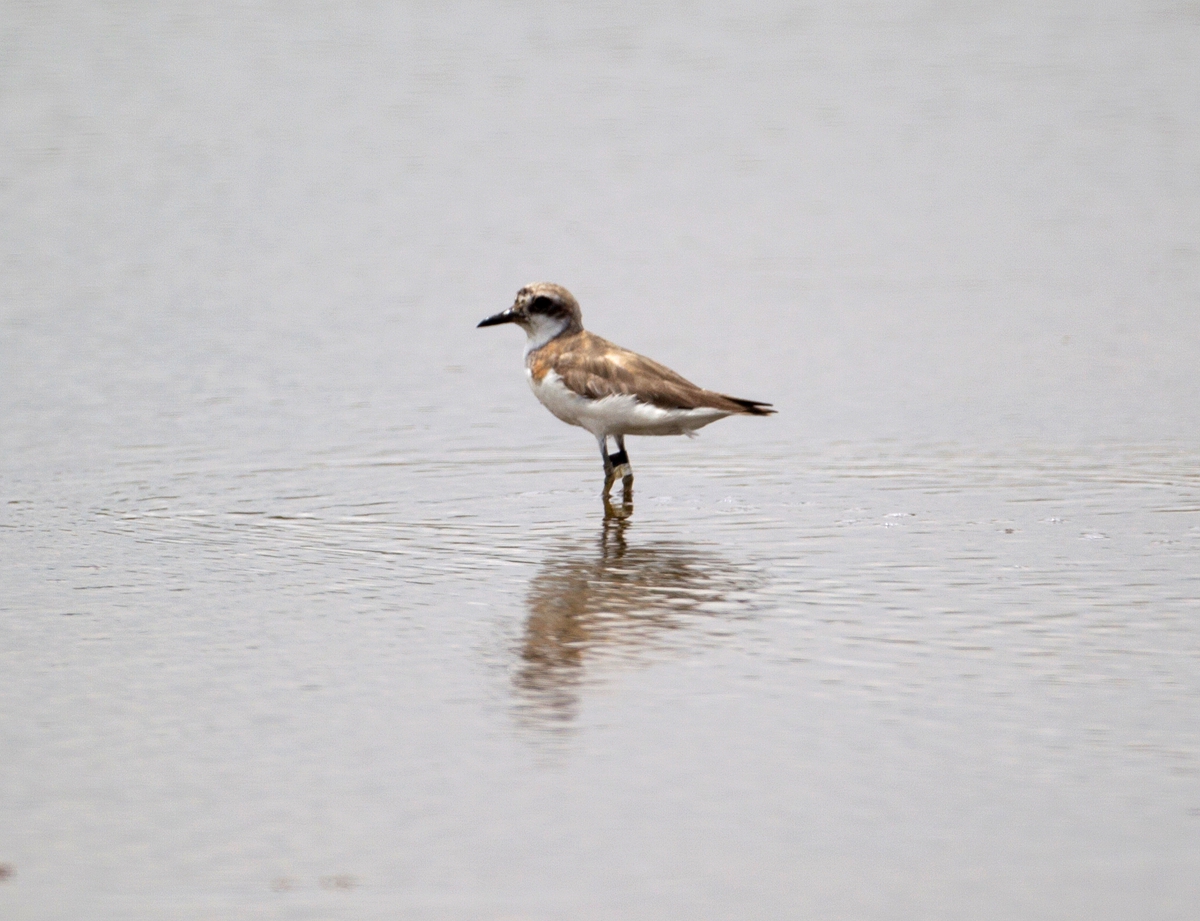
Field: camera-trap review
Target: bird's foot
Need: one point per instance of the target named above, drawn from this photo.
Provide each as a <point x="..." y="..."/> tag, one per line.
<point x="621" y="511"/>
<point x="619" y="469"/>
<point x="610" y="480"/>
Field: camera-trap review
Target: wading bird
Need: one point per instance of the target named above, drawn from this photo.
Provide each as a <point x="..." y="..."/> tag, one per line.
<point x="610" y="391"/>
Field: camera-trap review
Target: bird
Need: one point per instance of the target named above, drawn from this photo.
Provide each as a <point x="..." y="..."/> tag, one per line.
<point x="612" y="392"/>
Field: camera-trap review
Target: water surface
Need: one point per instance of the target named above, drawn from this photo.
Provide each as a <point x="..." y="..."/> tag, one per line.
<point x="309" y="610"/>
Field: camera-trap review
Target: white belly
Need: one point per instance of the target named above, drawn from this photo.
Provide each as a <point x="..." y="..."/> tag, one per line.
<point x="617" y="415"/>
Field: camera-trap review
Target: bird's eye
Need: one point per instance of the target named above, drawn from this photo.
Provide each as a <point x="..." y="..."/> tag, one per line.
<point x="541" y="304"/>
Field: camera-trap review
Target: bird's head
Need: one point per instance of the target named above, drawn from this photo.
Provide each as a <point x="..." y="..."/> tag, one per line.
<point x="543" y="310"/>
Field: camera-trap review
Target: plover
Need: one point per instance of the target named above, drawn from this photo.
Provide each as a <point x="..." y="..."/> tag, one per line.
<point x="610" y="391"/>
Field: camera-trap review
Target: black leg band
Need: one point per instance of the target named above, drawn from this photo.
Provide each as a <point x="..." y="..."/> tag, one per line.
<point x="619" y="458"/>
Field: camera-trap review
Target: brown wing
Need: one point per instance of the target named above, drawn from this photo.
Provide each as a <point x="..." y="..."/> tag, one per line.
<point x="597" y="368"/>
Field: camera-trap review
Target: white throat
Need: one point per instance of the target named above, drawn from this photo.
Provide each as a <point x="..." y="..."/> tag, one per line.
<point x="541" y="329"/>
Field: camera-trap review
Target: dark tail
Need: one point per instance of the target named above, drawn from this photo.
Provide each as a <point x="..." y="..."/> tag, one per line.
<point x="753" y="407"/>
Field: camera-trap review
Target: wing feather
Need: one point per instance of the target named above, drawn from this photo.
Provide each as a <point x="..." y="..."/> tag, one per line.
<point x="596" y="368"/>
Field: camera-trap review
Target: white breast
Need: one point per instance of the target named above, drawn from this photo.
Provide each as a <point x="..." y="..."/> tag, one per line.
<point x="617" y="415"/>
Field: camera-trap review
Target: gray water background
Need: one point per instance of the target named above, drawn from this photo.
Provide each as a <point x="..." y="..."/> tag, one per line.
<point x="308" y="610"/>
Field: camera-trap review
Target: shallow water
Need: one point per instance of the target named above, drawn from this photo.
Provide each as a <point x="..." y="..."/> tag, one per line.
<point x="309" y="610"/>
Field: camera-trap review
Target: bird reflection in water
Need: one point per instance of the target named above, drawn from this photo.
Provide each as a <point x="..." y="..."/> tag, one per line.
<point x="612" y="601"/>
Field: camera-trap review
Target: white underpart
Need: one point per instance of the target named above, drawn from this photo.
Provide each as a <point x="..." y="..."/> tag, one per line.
<point x="617" y="415"/>
<point x="541" y="329"/>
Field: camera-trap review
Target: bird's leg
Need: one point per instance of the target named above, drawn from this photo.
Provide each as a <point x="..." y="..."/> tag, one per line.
<point x="609" y="478"/>
<point x="616" y="467"/>
<point x="622" y="468"/>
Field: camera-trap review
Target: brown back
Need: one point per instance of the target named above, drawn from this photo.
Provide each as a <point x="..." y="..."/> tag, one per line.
<point x="596" y="368"/>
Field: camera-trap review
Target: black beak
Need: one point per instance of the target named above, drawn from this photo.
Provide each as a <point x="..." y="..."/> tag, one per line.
<point x="505" y="316"/>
